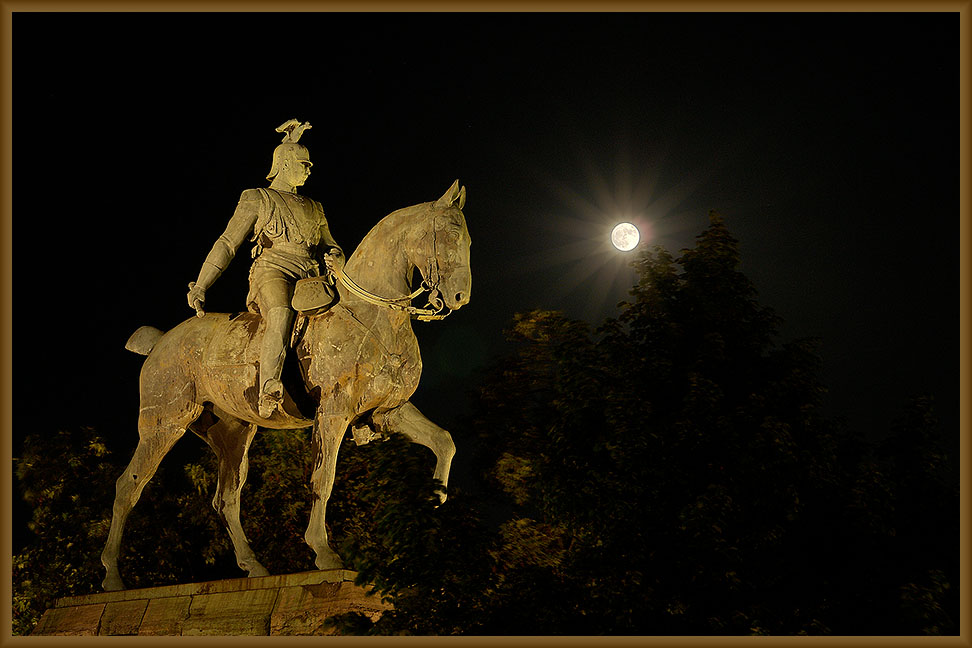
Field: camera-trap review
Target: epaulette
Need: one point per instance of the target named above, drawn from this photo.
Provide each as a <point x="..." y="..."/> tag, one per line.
<point x="250" y="195"/>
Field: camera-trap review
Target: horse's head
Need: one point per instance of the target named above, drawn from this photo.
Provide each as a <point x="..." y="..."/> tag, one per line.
<point x="440" y="250"/>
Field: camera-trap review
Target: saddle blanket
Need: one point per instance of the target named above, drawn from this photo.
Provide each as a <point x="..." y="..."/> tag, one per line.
<point x="236" y="340"/>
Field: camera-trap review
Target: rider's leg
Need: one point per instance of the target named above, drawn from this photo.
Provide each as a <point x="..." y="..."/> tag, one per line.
<point x="273" y="297"/>
<point x="279" y="323"/>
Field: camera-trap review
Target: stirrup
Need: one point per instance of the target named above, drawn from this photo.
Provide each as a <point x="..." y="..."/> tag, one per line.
<point x="273" y="387"/>
<point x="271" y="398"/>
<point x="268" y="404"/>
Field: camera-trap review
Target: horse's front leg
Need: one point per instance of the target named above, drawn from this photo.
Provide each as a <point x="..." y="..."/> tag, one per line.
<point x="328" y="431"/>
<point x="408" y="420"/>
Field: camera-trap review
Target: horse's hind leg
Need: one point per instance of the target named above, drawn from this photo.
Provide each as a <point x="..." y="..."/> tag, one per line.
<point x="230" y="439"/>
<point x="155" y="441"/>
<point x="408" y="420"/>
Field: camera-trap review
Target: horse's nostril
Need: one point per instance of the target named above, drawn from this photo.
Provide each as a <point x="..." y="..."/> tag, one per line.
<point x="460" y="297"/>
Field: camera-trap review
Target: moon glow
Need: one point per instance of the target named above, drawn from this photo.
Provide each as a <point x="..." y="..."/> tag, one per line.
<point x="625" y="237"/>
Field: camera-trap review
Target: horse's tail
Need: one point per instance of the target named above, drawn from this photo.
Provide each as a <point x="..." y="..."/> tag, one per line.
<point x="143" y="340"/>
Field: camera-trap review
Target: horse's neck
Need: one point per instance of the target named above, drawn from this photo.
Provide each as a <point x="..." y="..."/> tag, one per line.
<point x="380" y="264"/>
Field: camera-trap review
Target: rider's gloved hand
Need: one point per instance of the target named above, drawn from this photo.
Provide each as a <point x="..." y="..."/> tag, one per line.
<point x="196" y="298"/>
<point x="334" y="260"/>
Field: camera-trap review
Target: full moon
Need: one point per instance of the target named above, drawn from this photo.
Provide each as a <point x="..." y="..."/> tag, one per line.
<point x="625" y="237"/>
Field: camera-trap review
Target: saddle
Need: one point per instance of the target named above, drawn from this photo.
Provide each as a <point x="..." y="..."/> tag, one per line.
<point x="235" y="341"/>
<point x="235" y="347"/>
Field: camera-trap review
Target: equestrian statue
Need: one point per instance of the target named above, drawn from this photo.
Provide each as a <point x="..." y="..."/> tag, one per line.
<point x="345" y="327"/>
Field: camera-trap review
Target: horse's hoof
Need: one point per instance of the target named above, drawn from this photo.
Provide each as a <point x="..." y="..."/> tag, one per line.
<point x="112" y="584"/>
<point x="258" y="572"/>
<point x="330" y="561"/>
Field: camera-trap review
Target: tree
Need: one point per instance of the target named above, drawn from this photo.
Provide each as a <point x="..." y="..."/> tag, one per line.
<point x="683" y="477"/>
<point x="68" y="480"/>
<point x="172" y="535"/>
<point x="59" y="560"/>
<point x="429" y="561"/>
<point x="924" y="492"/>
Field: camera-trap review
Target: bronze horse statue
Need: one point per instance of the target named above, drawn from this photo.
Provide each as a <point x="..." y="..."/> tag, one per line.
<point x="359" y="364"/>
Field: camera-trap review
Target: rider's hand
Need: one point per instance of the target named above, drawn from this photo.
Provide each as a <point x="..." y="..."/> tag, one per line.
<point x="196" y="298"/>
<point x="334" y="260"/>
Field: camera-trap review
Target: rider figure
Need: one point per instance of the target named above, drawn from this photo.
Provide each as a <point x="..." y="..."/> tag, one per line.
<point x="291" y="237"/>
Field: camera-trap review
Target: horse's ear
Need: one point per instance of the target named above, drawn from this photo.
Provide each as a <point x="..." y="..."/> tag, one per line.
<point x="462" y="198"/>
<point x="450" y="195"/>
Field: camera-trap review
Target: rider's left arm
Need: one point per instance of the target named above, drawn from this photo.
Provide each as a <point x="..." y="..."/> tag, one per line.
<point x="329" y="248"/>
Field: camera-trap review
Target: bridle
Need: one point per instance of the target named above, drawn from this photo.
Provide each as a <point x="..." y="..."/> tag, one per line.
<point x="429" y="284"/>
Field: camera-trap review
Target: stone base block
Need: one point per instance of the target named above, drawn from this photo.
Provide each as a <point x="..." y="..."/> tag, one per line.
<point x="291" y="604"/>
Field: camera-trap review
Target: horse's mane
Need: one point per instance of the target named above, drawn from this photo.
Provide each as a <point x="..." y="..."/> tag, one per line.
<point x="392" y="221"/>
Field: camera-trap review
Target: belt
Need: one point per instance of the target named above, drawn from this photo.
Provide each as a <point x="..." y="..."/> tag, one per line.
<point x="294" y="249"/>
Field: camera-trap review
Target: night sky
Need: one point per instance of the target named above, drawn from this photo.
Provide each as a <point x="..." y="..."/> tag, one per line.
<point x="829" y="143"/>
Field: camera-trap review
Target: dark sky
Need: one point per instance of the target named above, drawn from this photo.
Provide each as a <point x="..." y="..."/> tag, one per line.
<point x="829" y="142"/>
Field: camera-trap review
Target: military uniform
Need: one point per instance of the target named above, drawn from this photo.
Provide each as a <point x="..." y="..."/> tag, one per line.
<point x="290" y="235"/>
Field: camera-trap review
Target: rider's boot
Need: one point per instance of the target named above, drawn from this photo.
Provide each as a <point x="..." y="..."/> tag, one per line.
<point x="279" y="322"/>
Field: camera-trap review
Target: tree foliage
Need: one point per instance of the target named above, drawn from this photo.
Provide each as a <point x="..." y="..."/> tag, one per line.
<point x="669" y="472"/>
<point x="68" y="480"/>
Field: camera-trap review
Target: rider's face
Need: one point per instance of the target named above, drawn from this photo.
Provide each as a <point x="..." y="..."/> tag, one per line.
<point x="296" y="172"/>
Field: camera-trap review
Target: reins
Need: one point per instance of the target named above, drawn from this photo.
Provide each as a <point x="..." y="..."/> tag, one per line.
<point x="398" y="303"/>
<point x="404" y="303"/>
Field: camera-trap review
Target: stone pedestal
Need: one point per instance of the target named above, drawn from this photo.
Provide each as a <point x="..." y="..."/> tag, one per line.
<point x="291" y="604"/>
